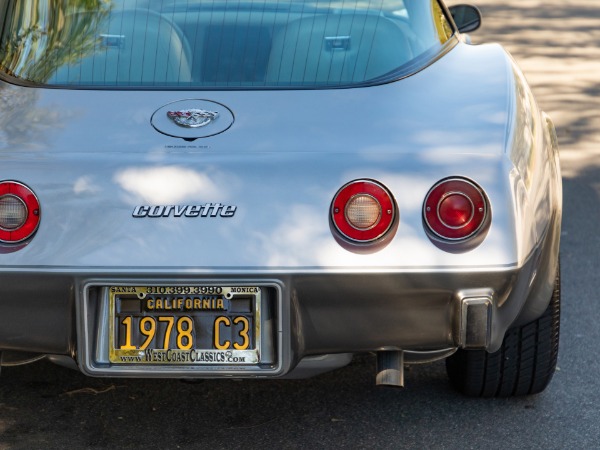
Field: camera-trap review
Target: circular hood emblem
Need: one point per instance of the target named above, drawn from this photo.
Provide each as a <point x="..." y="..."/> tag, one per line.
<point x="192" y="119"/>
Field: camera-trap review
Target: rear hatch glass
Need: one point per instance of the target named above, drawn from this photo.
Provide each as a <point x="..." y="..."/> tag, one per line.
<point x="203" y="44"/>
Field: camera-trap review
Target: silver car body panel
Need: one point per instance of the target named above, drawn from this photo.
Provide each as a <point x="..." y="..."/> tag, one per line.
<point x="92" y="157"/>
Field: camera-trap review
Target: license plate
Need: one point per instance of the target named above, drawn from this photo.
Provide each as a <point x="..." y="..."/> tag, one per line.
<point x="184" y="325"/>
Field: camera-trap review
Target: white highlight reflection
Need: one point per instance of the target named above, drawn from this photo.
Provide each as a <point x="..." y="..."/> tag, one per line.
<point x="168" y="185"/>
<point x="85" y="185"/>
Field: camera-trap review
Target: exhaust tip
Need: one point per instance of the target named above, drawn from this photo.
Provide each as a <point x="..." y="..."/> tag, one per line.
<point x="390" y="369"/>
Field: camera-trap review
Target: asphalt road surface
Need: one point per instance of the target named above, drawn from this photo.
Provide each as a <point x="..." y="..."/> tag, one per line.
<point x="557" y="43"/>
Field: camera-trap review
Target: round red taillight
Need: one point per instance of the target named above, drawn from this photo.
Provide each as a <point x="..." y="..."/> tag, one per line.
<point x="363" y="211"/>
<point x="455" y="209"/>
<point x="19" y="212"/>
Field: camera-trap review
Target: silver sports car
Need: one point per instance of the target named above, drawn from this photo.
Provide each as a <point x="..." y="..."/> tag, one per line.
<point x="263" y="188"/>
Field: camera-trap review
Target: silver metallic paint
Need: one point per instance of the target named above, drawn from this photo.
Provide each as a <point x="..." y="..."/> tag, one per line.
<point x="92" y="161"/>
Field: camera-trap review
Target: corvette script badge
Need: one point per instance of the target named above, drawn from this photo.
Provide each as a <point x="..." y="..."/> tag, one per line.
<point x="192" y="118"/>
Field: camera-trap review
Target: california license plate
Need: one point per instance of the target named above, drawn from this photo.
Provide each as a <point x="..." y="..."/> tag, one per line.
<point x="184" y="325"/>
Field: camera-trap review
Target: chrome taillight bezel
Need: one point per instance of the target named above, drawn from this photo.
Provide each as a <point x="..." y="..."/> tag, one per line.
<point x="438" y="228"/>
<point x="27" y="229"/>
<point x="370" y="234"/>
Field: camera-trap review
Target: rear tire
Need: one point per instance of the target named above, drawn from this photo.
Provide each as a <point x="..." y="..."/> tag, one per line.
<point x="524" y="365"/>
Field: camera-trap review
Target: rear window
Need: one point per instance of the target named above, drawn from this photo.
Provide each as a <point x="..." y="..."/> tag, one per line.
<point x="203" y="44"/>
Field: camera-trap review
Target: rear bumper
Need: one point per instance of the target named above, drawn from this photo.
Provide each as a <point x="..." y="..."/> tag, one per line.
<point x="314" y="313"/>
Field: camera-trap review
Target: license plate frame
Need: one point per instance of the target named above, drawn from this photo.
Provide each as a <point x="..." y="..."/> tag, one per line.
<point x="199" y="303"/>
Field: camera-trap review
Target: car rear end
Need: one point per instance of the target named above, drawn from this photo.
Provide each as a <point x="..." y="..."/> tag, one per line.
<point x="317" y="213"/>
